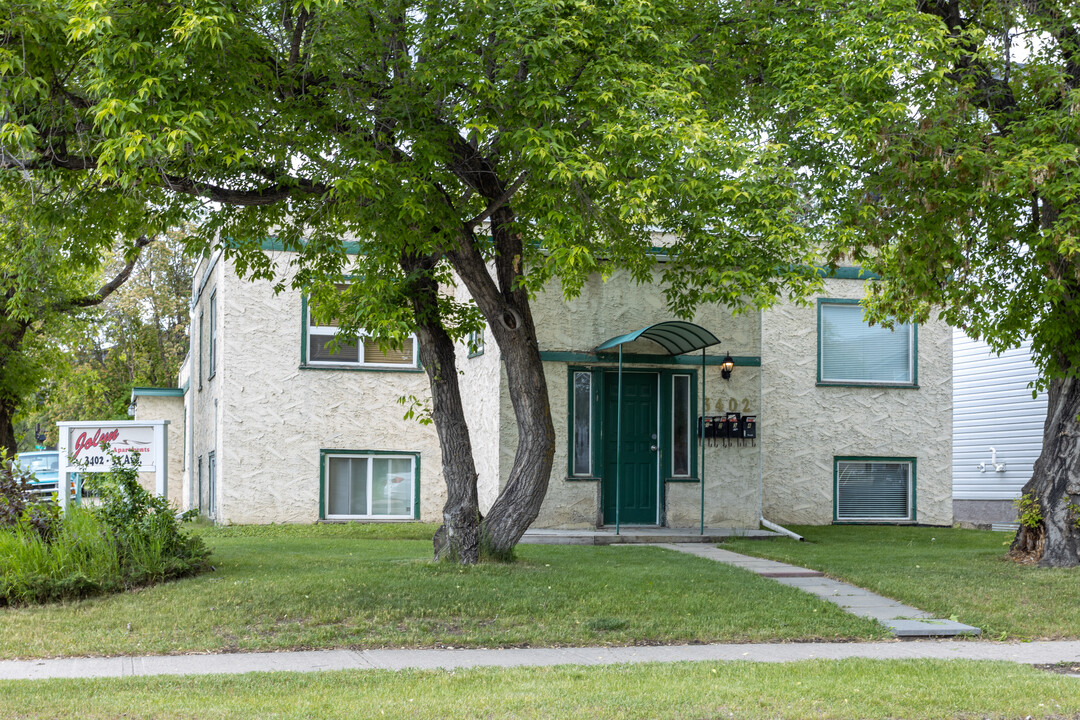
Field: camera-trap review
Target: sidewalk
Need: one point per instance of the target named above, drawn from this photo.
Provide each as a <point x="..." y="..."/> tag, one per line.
<point x="901" y="620"/>
<point x="315" y="660"/>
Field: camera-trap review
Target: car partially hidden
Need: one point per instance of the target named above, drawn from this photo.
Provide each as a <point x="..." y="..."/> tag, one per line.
<point x="44" y="469"/>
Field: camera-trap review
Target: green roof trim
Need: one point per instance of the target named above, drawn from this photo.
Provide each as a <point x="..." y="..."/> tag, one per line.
<point x="156" y="392"/>
<point x="641" y="359"/>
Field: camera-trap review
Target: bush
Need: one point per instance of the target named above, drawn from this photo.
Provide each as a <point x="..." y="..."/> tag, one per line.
<point x="130" y="538"/>
<point x="18" y="507"/>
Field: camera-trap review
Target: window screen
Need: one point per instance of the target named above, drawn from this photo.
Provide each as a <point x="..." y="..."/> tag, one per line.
<point x="873" y="490"/>
<point x="853" y="351"/>
<point x="370" y="486"/>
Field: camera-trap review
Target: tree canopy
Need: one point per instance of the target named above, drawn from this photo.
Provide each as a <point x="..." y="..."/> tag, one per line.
<point x="944" y="139"/>
<point x="492" y="143"/>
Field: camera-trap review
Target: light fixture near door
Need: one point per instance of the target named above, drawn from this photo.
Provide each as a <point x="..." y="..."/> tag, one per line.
<point x="726" y="367"/>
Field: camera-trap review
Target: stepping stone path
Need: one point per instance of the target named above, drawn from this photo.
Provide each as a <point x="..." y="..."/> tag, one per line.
<point x="901" y="620"/>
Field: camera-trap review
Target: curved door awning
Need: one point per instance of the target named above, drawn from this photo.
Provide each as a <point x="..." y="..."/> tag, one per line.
<point x="675" y="336"/>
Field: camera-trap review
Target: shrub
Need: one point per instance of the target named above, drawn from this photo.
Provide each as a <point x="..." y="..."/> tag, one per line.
<point x="130" y="538"/>
<point x="18" y="507"/>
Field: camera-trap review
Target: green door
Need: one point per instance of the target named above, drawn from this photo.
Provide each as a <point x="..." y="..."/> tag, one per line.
<point x="638" y="479"/>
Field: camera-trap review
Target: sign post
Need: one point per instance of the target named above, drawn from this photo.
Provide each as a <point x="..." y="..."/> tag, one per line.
<point x="81" y="451"/>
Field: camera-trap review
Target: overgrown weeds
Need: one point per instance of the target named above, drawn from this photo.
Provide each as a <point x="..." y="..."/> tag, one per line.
<point x="129" y="538"/>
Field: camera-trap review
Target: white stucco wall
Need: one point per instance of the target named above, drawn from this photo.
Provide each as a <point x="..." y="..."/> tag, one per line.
<point x="480" y="381"/>
<point x="277" y="416"/>
<point x="149" y="407"/>
<point x="803" y="426"/>
<point x="605" y="310"/>
<point x="205" y="392"/>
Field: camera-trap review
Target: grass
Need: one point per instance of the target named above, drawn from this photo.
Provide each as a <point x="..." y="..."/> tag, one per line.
<point x="330" y="586"/>
<point x="950" y="572"/>
<point x="811" y="689"/>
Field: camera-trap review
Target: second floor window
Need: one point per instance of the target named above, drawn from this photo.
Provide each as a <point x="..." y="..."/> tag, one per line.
<point x="327" y="347"/>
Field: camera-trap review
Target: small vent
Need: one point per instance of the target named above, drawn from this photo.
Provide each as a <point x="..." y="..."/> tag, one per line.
<point x="873" y="490"/>
<point x="1005" y="527"/>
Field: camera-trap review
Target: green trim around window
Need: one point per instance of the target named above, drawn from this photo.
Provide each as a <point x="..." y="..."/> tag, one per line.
<point x="667" y="410"/>
<point x="913" y="385"/>
<point x="324" y="452"/>
<point x="693" y="360"/>
<point x="212" y="355"/>
<point x="837" y="459"/>
<point x="477" y="339"/>
<point x="339" y="368"/>
<point x="596" y="447"/>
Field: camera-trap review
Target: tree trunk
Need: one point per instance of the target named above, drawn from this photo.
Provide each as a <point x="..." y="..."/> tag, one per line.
<point x="7" y="426"/>
<point x="1055" y="482"/>
<point x="459" y="537"/>
<point x="506" y="308"/>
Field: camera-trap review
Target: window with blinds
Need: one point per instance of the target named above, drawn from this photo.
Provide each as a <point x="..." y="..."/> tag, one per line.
<point x="874" y="489"/>
<point x="851" y="351"/>
<point x="372" y="486"/>
<point x="327" y="347"/>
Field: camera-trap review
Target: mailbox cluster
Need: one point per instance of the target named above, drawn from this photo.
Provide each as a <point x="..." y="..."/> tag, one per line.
<point x="728" y="429"/>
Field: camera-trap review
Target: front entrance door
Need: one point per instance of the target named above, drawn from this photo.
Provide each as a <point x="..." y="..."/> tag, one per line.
<point x="638" y="493"/>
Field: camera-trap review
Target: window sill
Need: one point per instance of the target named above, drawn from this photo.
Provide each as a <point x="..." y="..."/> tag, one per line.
<point x="880" y="521"/>
<point x="681" y="480"/>
<point x="367" y="519"/>
<point x="581" y="478"/>
<point x="358" y="368"/>
<point x="880" y="386"/>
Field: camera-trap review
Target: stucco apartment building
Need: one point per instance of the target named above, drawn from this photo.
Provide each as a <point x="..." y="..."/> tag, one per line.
<point x="849" y="423"/>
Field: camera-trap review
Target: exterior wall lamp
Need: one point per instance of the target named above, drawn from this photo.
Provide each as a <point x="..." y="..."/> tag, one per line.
<point x="726" y="367"/>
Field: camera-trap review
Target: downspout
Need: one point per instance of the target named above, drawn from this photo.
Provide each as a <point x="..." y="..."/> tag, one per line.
<point x="767" y="524"/>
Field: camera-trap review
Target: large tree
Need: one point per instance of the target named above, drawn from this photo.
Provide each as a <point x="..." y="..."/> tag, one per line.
<point x="492" y="143"/>
<point x="944" y="136"/>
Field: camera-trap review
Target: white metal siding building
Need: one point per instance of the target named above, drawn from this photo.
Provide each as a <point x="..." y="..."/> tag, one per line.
<point x="993" y="408"/>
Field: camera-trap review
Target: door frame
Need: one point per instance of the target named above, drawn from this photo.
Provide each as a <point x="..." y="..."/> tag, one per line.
<point x="599" y="431"/>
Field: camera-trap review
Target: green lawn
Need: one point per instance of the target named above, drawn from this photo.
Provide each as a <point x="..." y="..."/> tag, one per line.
<point x="949" y="572"/>
<point x="813" y="689"/>
<point x="329" y="586"/>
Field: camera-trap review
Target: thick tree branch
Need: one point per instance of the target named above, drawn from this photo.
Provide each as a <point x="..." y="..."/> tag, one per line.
<point x="110" y="287"/>
<point x="499" y="202"/>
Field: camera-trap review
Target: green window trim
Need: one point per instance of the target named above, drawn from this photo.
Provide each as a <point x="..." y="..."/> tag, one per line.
<point x="326" y="453"/>
<point x="348" y="367"/>
<point x="213" y="335"/>
<point x="912" y="492"/>
<point x="201" y="329"/>
<point x="913" y="385"/>
<point x="475" y="340"/>
<point x="599" y="380"/>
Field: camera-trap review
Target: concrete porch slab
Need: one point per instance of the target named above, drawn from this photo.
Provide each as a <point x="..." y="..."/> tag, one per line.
<point x="637" y="535"/>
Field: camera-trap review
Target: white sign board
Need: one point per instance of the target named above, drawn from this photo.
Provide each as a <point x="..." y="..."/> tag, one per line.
<point x="81" y="449"/>
<point x="85" y="453"/>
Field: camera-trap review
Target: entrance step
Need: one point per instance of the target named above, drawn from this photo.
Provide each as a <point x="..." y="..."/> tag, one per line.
<point x="638" y="536"/>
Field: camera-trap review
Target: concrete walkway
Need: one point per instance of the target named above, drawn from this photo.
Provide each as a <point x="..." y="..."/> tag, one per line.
<point x="901" y="620"/>
<point x="1034" y="653"/>
<point x="636" y="535"/>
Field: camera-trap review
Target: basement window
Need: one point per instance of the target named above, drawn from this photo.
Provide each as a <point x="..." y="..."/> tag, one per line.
<point x="874" y="489"/>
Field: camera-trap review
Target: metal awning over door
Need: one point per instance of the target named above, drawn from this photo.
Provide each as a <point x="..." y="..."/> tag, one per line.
<point x="676" y="337"/>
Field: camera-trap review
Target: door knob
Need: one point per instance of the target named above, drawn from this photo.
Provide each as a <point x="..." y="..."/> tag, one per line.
<point x="653" y="448"/>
